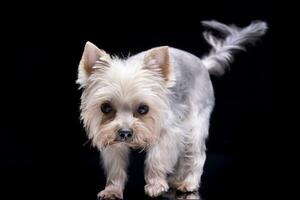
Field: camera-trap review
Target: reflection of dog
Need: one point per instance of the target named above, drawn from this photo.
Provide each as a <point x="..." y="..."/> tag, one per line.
<point x="160" y="101"/>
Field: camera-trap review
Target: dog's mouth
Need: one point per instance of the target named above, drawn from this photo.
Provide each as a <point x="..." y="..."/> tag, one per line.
<point x="130" y="143"/>
<point x="124" y="140"/>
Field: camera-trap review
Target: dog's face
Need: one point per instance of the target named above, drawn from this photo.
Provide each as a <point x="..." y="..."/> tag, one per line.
<point x="124" y="100"/>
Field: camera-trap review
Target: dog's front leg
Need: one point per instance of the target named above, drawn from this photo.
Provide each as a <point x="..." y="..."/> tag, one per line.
<point x="159" y="162"/>
<point x="115" y="162"/>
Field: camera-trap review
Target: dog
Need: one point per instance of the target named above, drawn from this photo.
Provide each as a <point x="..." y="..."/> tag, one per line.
<point x="159" y="101"/>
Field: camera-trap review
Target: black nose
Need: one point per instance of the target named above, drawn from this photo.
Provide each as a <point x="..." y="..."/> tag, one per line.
<point x="125" y="133"/>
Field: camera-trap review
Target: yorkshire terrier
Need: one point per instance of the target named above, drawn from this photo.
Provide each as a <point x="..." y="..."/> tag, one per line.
<point x="159" y="101"/>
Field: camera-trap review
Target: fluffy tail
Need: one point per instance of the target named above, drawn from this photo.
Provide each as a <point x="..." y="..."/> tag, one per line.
<point x="234" y="39"/>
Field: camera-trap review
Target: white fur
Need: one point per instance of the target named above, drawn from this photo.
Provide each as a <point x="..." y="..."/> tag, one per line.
<point x="178" y="90"/>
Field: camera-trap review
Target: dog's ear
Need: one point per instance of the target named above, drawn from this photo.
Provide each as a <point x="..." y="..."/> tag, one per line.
<point x="92" y="58"/>
<point x="157" y="59"/>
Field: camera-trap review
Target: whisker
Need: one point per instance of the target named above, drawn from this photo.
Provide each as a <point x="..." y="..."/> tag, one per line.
<point x="84" y="144"/>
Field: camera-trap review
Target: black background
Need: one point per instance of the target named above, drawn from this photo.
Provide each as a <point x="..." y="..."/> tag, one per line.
<point x="42" y="143"/>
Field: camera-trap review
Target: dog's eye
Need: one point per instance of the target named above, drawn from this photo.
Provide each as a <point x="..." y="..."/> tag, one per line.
<point x="143" y="109"/>
<point x="106" y="108"/>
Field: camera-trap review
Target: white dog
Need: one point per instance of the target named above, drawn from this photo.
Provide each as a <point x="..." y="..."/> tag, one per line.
<point x="159" y="101"/>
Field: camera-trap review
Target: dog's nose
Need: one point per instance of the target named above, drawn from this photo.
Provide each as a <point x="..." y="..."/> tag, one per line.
<point x="125" y="133"/>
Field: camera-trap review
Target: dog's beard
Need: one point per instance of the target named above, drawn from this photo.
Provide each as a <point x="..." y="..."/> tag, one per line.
<point x="145" y="135"/>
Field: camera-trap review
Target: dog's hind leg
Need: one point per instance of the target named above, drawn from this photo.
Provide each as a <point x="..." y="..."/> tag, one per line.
<point x="190" y="165"/>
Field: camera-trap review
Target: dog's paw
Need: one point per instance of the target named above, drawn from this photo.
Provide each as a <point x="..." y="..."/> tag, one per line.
<point x="110" y="193"/>
<point x="186" y="187"/>
<point x="156" y="189"/>
<point x="173" y="181"/>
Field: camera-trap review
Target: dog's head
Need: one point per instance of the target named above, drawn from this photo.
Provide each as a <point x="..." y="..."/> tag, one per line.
<point x="124" y="100"/>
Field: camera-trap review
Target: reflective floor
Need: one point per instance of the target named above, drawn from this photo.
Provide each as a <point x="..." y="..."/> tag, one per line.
<point x="224" y="177"/>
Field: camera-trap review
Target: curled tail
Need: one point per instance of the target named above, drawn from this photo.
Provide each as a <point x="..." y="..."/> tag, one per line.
<point x="234" y="39"/>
